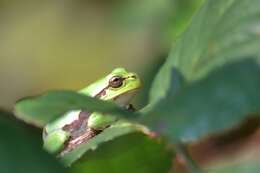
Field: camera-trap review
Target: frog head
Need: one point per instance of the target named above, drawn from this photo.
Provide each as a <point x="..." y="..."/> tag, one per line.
<point x="118" y="86"/>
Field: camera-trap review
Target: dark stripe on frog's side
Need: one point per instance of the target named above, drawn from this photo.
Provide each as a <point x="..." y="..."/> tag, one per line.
<point x="81" y="122"/>
<point x="74" y="142"/>
<point x="77" y="127"/>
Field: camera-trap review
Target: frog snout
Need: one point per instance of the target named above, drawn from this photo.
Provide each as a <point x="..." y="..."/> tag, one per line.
<point x="133" y="76"/>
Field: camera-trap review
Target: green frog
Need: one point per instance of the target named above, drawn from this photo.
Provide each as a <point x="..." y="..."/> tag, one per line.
<point x="119" y="87"/>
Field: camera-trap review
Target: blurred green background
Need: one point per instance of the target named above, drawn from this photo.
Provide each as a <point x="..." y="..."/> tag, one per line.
<point x="67" y="44"/>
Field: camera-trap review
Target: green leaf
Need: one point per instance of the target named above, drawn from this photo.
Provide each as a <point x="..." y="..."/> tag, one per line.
<point x="222" y="31"/>
<point x="118" y="129"/>
<point x="133" y="153"/>
<point x="20" y="152"/>
<point x="209" y="105"/>
<point x="45" y="108"/>
<point x="182" y="12"/>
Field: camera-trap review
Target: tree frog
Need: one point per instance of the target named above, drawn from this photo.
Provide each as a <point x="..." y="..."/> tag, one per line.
<point x="119" y="86"/>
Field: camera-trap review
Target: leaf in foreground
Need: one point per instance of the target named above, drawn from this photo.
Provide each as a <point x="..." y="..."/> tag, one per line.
<point x="222" y="31"/>
<point x="42" y="109"/>
<point x="20" y="152"/>
<point x="210" y="105"/>
<point x="134" y="152"/>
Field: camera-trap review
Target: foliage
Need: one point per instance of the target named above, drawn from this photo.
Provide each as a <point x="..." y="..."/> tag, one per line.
<point x="20" y="152"/>
<point x="130" y="153"/>
<point x="41" y="110"/>
<point x="208" y="84"/>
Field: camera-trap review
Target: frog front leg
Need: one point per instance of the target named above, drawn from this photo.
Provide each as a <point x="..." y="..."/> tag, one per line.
<point x="99" y="121"/>
<point x="55" y="140"/>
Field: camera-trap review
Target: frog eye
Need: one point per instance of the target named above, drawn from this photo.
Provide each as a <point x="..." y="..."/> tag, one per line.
<point x="116" y="81"/>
